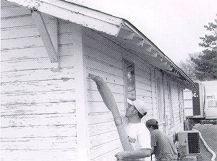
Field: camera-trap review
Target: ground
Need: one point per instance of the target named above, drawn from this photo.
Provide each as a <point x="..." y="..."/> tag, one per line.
<point x="209" y="133"/>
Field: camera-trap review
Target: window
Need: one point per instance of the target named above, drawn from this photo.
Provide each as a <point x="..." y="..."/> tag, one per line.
<point x="129" y="75"/>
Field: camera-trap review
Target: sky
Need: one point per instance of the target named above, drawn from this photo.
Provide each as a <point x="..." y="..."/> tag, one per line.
<point x="173" y="25"/>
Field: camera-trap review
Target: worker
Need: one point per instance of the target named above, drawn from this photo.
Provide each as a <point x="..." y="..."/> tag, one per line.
<point x="138" y="134"/>
<point x="162" y="147"/>
<point x="137" y="140"/>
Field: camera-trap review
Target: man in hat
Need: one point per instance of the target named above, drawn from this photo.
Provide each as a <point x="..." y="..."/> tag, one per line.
<point x="162" y="146"/>
<point x="137" y="141"/>
<point x="138" y="134"/>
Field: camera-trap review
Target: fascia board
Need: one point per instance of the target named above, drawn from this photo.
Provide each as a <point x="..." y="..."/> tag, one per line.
<point x="76" y="14"/>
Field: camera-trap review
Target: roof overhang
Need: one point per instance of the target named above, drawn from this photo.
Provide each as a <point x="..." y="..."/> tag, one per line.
<point x="123" y="31"/>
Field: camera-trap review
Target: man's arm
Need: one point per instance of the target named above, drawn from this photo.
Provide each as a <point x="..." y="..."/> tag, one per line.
<point x="110" y="103"/>
<point x="136" y="154"/>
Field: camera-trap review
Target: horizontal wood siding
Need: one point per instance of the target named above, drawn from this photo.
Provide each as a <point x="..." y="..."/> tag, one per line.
<point x="38" y="105"/>
<point x="104" y="58"/>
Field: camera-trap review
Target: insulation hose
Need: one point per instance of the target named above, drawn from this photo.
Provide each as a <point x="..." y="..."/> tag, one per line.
<point x="207" y="146"/>
<point x="109" y="101"/>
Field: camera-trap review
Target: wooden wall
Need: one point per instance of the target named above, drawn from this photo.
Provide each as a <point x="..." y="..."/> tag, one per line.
<point x="104" y="58"/>
<point x="44" y="111"/>
<point x="38" y="104"/>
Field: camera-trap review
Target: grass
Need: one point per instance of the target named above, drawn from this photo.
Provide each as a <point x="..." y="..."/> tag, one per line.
<point x="209" y="133"/>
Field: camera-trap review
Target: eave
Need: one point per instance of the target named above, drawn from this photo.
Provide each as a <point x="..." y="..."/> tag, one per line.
<point x="123" y="31"/>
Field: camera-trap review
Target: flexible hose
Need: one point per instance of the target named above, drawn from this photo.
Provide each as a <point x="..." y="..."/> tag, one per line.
<point x="207" y="146"/>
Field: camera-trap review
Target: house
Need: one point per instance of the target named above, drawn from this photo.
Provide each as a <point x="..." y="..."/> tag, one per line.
<point x="50" y="109"/>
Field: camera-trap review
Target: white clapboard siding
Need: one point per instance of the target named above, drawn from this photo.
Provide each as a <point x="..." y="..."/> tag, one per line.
<point x="14" y="11"/>
<point x="103" y="138"/>
<point x="103" y="149"/>
<point x="99" y="117"/>
<point x="39" y="131"/>
<point x="38" y="108"/>
<point x="44" y="155"/>
<point x="33" y="53"/>
<point x="101" y="128"/>
<point x="101" y="107"/>
<point x="38" y="97"/>
<point x="32" y="120"/>
<point x="34" y="86"/>
<point x="108" y="156"/>
<point x="38" y="113"/>
<point x="104" y="58"/>
<point x="33" y="75"/>
<point x="31" y="143"/>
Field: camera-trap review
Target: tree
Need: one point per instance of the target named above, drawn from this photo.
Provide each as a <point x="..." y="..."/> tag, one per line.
<point x="206" y="62"/>
<point x="188" y="67"/>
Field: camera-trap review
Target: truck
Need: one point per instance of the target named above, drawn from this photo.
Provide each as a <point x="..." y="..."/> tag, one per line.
<point x="200" y="105"/>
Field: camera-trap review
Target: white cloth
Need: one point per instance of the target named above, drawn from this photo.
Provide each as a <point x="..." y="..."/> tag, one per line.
<point x="139" y="137"/>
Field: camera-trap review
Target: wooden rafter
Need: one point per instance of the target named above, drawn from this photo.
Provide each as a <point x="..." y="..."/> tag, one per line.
<point x="49" y="39"/>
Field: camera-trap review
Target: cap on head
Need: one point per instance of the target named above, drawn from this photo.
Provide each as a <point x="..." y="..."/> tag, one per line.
<point x="139" y="105"/>
<point x="151" y="122"/>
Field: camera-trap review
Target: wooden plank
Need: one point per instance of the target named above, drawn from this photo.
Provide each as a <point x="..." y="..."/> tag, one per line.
<point x="95" y="40"/>
<point x="19" y="32"/>
<point x="37" y="86"/>
<point x="97" y="117"/>
<point x="101" y="128"/>
<point x="7" y="4"/>
<point x="14" y="11"/>
<point x="40" y="108"/>
<point x="33" y="75"/>
<point x="95" y="96"/>
<point x="111" y="78"/>
<point x="38" y="97"/>
<point x="31" y="53"/>
<point x="39" y="131"/>
<point x="100" y="107"/>
<point x="113" y="87"/>
<point x="103" y="149"/>
<point x="81" y="97"/>
<point x="47" y="143"/>
<point x="105" y="67"/>
<point x="20" y="43"/>
<point x="53" y="55"/>
<point x="103" y="138"/>
<point x="97" y="55"/>
<point x="36" y="64"/>
<point x="21" y="21"/>
<point x="40" y="119"/>
<point x="44" y="155"/>
<point x="110" y="155"/>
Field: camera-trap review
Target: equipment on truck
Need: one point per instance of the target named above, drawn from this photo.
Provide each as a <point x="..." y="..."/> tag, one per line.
<point x="201" y="105"/>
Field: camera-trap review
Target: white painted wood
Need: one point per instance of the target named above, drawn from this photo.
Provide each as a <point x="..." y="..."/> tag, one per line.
<point x="77" y="14"/>
<point x="81" y="99"/>
<point x="50" y="46"/>
<point x="32" y="120"/>
<point x="101" y="128"/>
<point x="103" y="149"/>
<point x="45" y="143"/>
<point x="45" y="155"/>
<point x="38" y="108"/>
<point x="14" y="11"/>
<point x="32" y="75"/>
<point x="38" y="97"/>
<point x="39" y="131"/>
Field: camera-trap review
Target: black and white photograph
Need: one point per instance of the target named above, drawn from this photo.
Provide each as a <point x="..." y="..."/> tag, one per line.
<point x="108" y="80"/>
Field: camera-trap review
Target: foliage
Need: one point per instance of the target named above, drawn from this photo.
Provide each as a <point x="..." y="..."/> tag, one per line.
<point x="205" y="64"/>
<point x="188" y="67"/>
